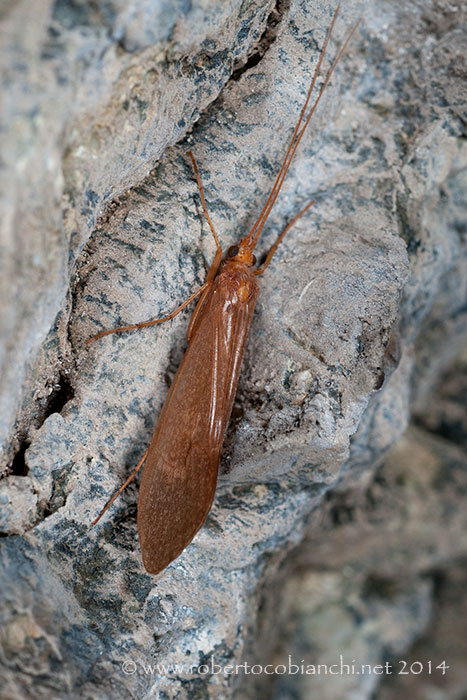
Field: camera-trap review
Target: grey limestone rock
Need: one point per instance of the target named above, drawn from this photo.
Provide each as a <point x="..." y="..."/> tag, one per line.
<point x="361" y="316"/>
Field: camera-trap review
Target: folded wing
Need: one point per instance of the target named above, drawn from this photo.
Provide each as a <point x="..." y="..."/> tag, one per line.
<point x="180" y="472"/>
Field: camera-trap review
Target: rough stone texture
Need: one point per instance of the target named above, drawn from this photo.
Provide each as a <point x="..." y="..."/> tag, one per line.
<point x="376" y="569"/>
<point x="362" y="316"/>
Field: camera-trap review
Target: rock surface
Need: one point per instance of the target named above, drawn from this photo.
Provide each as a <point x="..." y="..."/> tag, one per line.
<point x="314" y="546"/>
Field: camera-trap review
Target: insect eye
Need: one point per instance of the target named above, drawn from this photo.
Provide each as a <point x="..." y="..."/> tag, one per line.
<point x="233" y="251"/>
<point x="254" y="260"/>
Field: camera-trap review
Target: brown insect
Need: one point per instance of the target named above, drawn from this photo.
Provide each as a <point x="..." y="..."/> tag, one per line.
<point x="181" y="463"/>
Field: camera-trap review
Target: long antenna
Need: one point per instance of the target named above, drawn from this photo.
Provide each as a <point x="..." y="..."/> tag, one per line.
<point x="298" y="132"/>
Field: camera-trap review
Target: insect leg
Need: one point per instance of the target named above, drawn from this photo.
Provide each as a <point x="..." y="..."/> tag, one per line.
<point x="204" y="287"/>
<point x="116" y="495"/>
<point x="153" y="322"/>
<point x="273" y="249"/>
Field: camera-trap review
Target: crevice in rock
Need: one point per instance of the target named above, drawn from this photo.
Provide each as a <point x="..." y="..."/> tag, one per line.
<point x="406" y="230"/>
<point x="62" y="393"/>
<point x="266" y="40"/>
<point x="58" y="497"/>
<point x="18" y="465"/>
